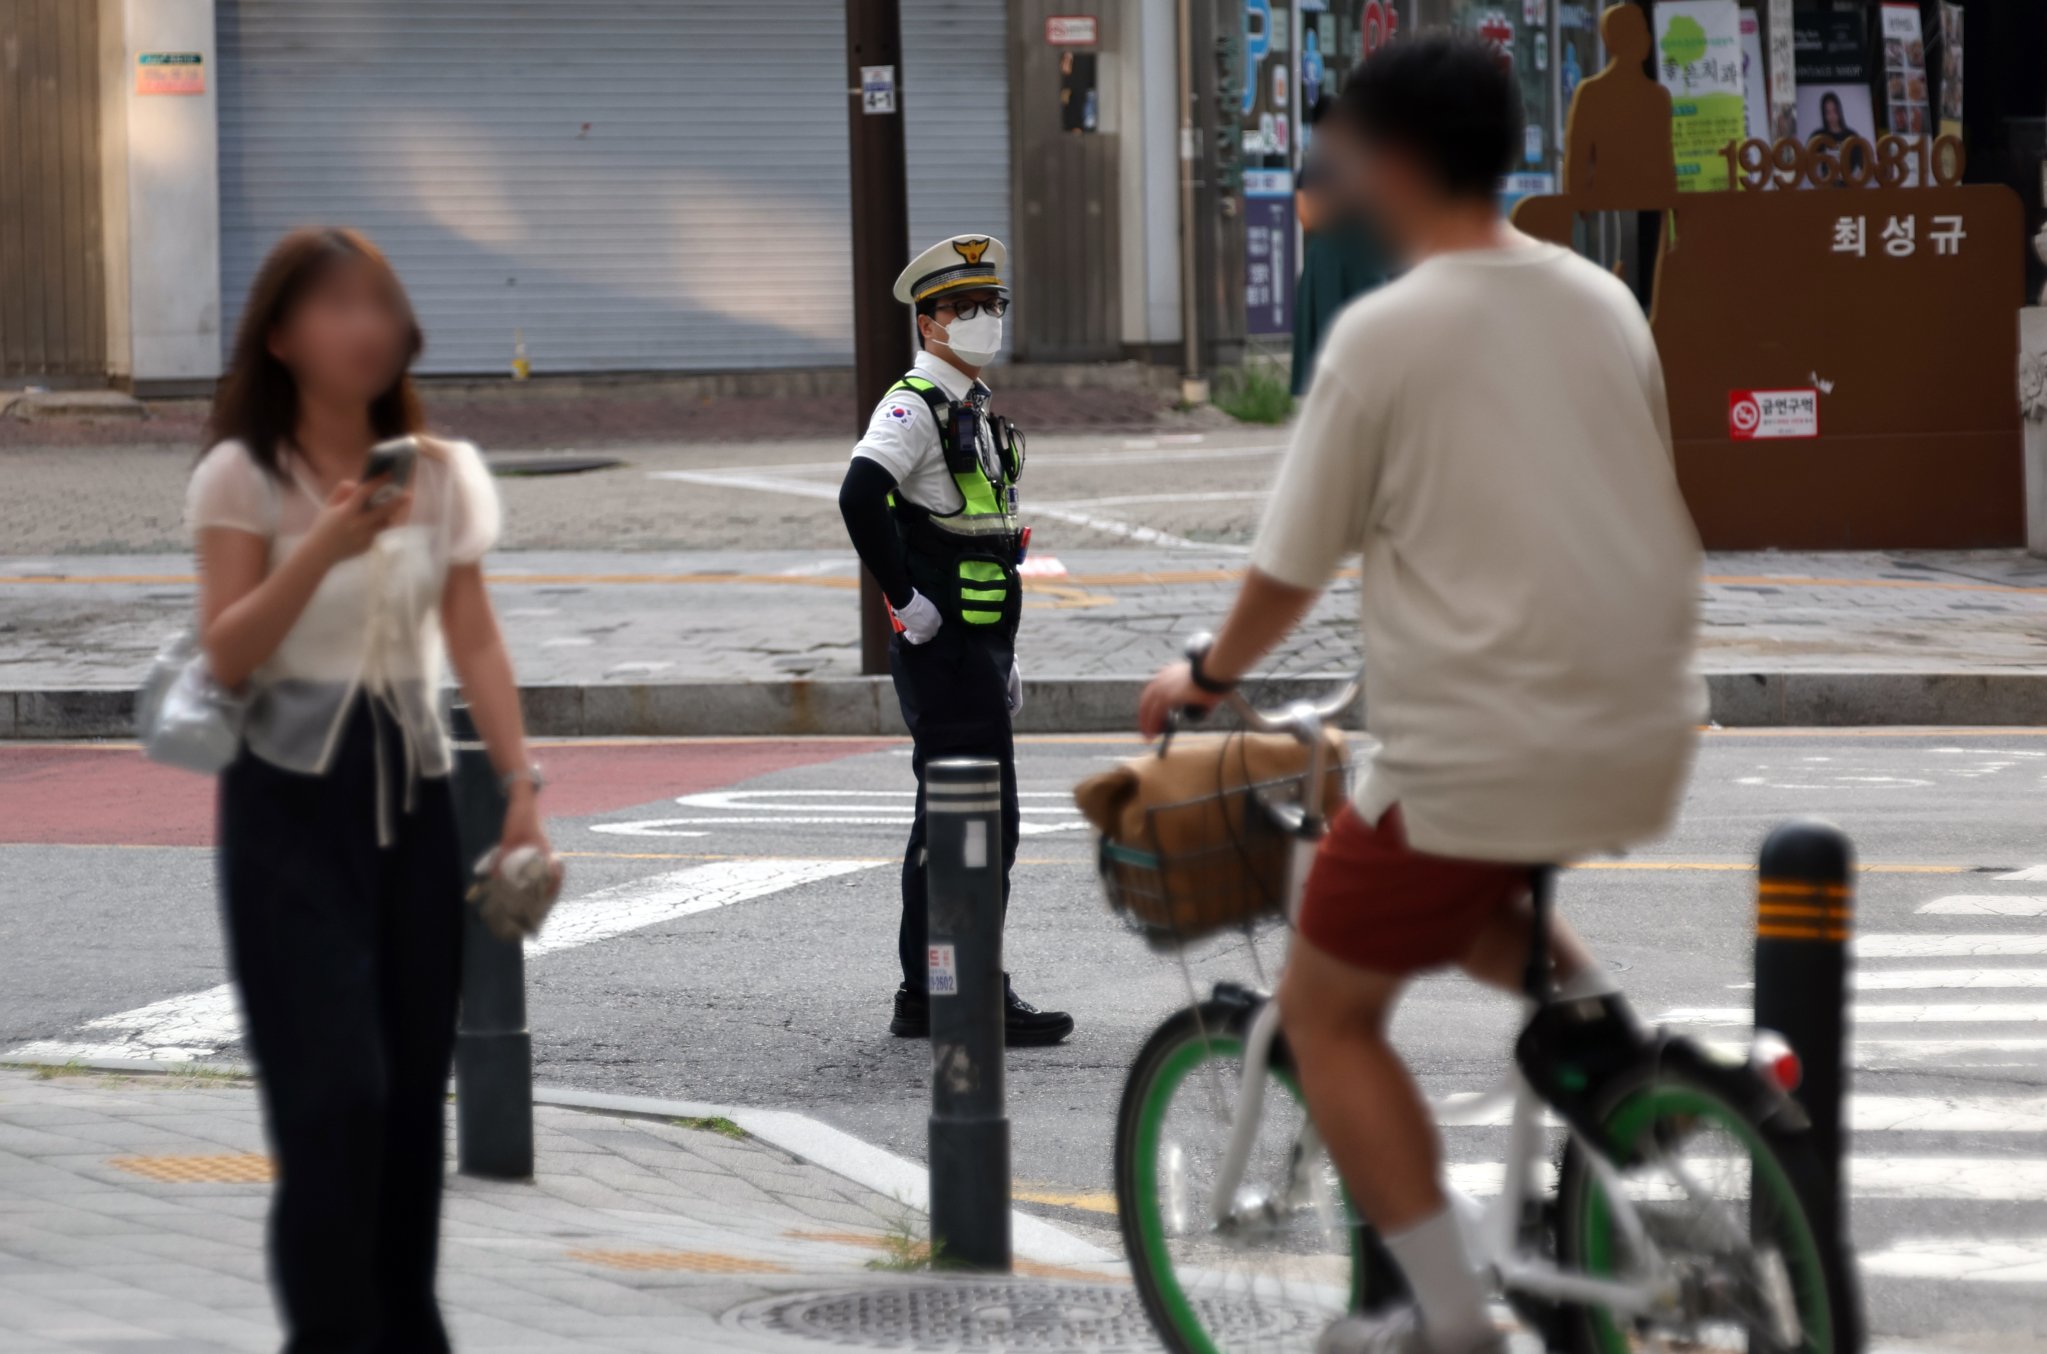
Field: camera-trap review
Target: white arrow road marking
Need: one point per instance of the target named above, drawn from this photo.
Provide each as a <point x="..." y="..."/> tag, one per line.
<point x="2018" y="1260"/>
<point x="1986" y="904"/>
<point x="2030" y="874"/>
<point x="194" y="1027"/>
<point x="1977" y="1179"/>
<point x="828" y="808"/>
<point x="1868" y="1014"/>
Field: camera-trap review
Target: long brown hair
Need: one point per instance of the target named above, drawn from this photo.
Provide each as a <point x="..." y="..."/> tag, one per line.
<point x="257" y="401"/>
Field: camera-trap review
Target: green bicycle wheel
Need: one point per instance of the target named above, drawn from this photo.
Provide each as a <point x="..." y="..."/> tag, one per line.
<point x="1289" y="1258"/>
<point x="1716" y="1199"/>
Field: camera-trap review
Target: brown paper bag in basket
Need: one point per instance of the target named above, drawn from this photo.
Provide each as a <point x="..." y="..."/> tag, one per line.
<point x="1219" y="864"/>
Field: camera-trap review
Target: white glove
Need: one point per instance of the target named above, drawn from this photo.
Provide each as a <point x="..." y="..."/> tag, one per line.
<point x="1015" y="686"/>
<point x="919" y="617"/>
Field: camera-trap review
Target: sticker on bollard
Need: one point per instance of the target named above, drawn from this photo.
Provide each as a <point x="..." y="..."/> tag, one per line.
<point x="943" y="978"/>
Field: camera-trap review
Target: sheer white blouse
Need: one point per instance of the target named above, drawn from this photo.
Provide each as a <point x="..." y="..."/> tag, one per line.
<point x="373" y="625"/>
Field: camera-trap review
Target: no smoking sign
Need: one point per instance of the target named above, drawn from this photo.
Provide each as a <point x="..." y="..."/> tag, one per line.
<point x="1769" y="415"/>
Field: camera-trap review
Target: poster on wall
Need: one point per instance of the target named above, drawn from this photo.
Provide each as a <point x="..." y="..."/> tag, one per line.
<point x="1783" y="73"/>
<point x="1834" y="74"/>
<point x="1951" y="70"/>
<point x="1268" y="251"/>
<point x="1908" y="111"/>
<point x="1755" y="84"/>
<point x="1698" y="55"/>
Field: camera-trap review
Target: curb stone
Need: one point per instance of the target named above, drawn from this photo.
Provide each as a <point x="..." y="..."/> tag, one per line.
<point x="866" y="707"/>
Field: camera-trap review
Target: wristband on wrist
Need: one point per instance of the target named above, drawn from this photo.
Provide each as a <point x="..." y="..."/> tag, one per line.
<point x="1196" y="668"/>
<point x="530" y="774"/>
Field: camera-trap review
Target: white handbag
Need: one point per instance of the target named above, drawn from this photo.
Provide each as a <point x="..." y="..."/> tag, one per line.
<point x="185" y="718"/>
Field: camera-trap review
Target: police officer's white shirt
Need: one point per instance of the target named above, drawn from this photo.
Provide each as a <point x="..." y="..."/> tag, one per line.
<point x="902" y="438"/>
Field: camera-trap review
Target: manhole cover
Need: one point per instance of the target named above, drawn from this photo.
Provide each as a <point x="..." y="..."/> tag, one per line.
<point x="1094" y="1318"/>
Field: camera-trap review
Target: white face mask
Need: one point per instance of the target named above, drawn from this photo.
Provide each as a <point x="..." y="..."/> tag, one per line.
<point x="976" y="341"/>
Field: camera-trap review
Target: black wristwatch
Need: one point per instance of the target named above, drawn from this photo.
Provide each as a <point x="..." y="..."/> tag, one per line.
<point x="1201" y="677"/>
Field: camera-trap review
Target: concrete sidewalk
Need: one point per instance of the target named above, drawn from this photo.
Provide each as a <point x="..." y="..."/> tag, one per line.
<point x="132" y="1206"/>
<point x="765" y="642"/>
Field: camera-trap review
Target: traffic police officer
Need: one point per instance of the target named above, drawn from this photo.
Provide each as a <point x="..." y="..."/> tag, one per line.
<point x="930" y="502"/>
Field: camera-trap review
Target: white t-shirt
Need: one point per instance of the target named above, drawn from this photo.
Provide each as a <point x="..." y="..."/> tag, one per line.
<point x="1491" y="432"/>
<point x="374" y="621"/>
<point x="902" y="437"/>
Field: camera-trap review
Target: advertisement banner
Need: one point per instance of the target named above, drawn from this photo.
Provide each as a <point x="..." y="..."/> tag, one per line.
<point x="1268" y="251"/>
<point x="1698" y="54"/>
<point x="1834" y="78"/>
<point x="1755" y="85"/>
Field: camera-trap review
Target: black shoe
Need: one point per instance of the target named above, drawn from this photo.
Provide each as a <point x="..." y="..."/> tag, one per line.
<point x="913" y="1014"/>
<point x="1025" y="1026"/>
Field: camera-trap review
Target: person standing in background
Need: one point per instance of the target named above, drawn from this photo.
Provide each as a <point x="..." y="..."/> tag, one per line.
<point x="330" y="595"/>
<point x="1342" y="256"/>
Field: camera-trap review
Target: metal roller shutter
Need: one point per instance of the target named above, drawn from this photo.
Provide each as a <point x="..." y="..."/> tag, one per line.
<point x="634" y="185"/>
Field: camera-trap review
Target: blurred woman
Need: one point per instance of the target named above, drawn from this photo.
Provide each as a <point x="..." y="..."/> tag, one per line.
<point x="332" y="596"/>
<point x="1341" y="256"/>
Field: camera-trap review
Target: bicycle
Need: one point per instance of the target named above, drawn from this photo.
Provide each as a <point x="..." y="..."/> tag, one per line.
<point x="1676" y="1220"/>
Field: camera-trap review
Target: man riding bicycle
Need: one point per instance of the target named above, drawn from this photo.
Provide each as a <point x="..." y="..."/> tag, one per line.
<point x="1490" y="432"/>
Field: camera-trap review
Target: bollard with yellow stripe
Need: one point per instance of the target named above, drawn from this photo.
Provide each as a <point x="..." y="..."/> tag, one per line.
<point x="1805" y="918"/>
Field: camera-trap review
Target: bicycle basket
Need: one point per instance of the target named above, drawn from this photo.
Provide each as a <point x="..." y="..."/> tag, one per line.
<point x="1231" y="872"/>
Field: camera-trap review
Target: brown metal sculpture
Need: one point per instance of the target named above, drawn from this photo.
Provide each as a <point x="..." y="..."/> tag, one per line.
<point x="1839" y="332"/>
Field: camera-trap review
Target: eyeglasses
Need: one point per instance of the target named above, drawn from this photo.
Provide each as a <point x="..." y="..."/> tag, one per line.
<point x="967" y="310"/>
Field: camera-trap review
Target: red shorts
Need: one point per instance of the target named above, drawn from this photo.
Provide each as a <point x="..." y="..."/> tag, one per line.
<point x="1376" y="903"/>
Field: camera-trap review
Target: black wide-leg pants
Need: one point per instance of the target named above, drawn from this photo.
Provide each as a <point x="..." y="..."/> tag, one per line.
<point x="348" y="958"/>
<point x="954" y="692"/>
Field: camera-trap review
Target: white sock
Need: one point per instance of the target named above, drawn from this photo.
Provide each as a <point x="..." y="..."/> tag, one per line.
<point x="1446" y="1288"/>
<point x="1591" y="981"/>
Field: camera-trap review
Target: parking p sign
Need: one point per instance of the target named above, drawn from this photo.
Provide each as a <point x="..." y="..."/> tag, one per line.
<point x="1767" y="415"/>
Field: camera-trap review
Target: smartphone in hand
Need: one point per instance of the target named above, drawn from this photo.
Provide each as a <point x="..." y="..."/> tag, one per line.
<point x="392" y="462"/>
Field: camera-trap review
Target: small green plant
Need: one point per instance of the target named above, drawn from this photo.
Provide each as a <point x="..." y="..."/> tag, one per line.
<point x="712" y="1123"/>
<point x="1257" y="393"/>
<point x="903" y="1251"/>
<point x="188" y="1076"/>
<point x="51" y="1071"/>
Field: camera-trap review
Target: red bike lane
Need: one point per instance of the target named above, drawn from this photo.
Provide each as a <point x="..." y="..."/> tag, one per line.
<point x="76" y="794"/>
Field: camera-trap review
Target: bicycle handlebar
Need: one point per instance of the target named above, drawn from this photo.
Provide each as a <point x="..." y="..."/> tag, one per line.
<point x="1302" y="719"/>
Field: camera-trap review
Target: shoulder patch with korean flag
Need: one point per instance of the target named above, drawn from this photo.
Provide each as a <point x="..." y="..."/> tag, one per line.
<point x="899" y="413"/>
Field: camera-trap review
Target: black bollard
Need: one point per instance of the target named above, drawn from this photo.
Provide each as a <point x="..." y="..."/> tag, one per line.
<point x="1805" y="915"/>
<point x="493" y="1051"/>
<point x="969" y="1130"/>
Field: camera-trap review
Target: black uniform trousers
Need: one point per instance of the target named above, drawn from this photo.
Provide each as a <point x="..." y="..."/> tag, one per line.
<point x="954" y="691"/>
<point x="348" y="957"/>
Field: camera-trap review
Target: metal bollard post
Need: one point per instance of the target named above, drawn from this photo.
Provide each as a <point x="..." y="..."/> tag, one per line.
<point x="1805" y="913"/>
<point x="969" y="1130"/>
<point x="493" y="1051"/>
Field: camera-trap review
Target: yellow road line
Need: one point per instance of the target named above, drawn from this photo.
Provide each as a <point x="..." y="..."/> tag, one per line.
<point x="1085" y="1201"/>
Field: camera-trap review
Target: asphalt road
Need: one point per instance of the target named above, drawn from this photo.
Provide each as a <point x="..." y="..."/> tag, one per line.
<point x="729" y="937"/>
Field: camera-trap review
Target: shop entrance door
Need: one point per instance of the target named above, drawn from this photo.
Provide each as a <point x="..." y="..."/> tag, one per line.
<point x="53" y="309"/>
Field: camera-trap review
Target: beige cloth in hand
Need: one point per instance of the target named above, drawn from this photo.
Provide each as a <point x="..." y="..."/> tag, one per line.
<point x="515" y="894"/>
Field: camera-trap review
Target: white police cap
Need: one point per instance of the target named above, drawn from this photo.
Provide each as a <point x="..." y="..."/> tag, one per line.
<point x="963" y="263"/>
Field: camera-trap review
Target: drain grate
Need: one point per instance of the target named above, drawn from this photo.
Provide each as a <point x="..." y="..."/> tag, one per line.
<point x="1004" y="1316"/>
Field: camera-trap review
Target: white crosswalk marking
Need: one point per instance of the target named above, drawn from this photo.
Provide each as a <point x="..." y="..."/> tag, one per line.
<point x="1978" y="979"/>
<point x="1969" y="1179"/>
<point x="1952" y="946"/>
<point x="1866" y="1113"/>
<point x="1868" y="1014"/>
<point x="1951" y="1258"/>
<point x="196" y="1026"/>
<point x="1986" y="905"/>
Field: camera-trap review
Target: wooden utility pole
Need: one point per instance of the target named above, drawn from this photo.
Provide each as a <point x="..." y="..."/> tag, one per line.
<point x="881" y="245"/>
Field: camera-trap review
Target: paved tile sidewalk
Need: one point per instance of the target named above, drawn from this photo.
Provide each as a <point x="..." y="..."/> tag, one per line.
<point x="131" y="1219"/>
<point x="585" y="617"/>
